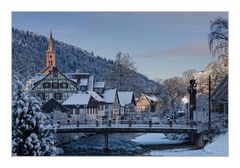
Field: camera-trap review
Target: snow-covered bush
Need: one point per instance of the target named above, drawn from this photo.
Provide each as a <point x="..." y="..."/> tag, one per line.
<point x="30" y="135"/>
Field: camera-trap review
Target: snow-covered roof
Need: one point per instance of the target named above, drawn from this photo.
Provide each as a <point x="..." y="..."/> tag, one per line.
<point x="125" y="98"/>
<point x="96" y="96"/>
<point x="221" y="91"/>
<point x="84" y="82"/>
<point x="152" y="97"/>
<point x="99" y="84"/>
<point x="74" y="80"/>
<point x="109" y="95"/>
<point x="38" y="77"/>
<point x="78" y="99"/>
<point x="78" y="73"/>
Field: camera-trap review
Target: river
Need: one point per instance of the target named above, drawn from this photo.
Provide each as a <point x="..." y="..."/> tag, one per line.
<point x="126" y="144"/>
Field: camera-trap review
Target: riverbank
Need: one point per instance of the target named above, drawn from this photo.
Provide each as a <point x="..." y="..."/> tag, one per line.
<point x="218" y="147"/>
<point x="138" y="144"/>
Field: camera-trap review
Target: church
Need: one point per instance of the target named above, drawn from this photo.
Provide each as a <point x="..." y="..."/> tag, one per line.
<point x="77" y="93"/>
<point x="51" y="82"/>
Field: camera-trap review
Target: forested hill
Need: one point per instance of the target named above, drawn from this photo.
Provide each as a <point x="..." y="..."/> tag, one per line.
<point x="28" y="58"/>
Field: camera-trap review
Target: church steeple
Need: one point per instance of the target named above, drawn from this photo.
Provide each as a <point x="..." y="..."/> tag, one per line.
<point x="50" y="55"/>
<point x="50" y="43"/>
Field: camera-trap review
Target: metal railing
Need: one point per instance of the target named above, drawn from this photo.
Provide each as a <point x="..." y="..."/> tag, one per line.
<point x="118" y="124"/>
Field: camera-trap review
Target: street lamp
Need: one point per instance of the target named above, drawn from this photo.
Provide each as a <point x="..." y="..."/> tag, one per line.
<point x="78" y="122"/>
<point x="85" y="109"/>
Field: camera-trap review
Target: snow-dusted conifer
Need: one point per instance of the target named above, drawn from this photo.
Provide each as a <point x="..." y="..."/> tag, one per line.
<point x="30" y="136"/>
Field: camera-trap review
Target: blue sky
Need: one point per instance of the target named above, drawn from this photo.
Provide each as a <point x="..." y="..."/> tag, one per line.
<point x="162" y="44"/>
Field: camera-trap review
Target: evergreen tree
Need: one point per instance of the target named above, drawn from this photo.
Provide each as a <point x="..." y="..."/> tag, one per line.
<point x="30" y="136"/>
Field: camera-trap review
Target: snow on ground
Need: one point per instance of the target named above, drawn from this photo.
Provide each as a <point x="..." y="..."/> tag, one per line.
<point x="218" y="147"/>
<point x="155" y="139"/>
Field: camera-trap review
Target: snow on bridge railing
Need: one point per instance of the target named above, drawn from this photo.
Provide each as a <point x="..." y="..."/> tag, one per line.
<point x="119" y="124"/>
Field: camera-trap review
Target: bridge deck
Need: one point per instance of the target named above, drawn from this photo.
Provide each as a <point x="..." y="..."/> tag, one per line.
<point x="124" y="128"/>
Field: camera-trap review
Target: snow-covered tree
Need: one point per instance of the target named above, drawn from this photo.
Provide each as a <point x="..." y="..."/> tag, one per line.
<point x="218" y="37"/>
<point x="171" y="93"/>
<point x="188" y="75"/>
<point x="123" y="72"/>
<point x="30" y="135"/>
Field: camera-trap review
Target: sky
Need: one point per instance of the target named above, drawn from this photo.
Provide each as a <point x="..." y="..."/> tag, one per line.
<point x="162" y="44"/>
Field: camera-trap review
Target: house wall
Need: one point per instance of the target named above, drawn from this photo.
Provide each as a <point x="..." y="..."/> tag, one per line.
<point x="59" y="93"/>
<point x="143" y="104"/>
<point x="90" y="114"/>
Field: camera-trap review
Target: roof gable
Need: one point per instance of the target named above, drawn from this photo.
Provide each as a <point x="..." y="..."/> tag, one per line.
<point x="110" y="95"/>
<point x="50" y="76"/>
<point x="52" y="105"/>
<point x="126" y="98"/>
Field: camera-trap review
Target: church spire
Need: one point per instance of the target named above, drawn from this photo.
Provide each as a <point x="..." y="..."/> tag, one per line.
<point x="51" y="43"/>
<point x="50" y="56"/>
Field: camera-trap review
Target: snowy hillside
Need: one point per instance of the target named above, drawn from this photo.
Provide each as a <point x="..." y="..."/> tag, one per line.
<point x="28" y="53"/>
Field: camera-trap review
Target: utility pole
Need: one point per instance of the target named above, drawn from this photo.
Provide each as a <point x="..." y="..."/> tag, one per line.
<point x="209" y="103"/>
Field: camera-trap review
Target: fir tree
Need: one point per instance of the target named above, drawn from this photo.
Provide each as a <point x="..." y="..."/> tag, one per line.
<point x="30" y="136"/>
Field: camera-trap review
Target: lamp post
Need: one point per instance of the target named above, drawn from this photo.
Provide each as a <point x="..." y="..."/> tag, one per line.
<point x="85" y="117"/>
<point x="78" y="122"/>
<point x="209" y="103"/>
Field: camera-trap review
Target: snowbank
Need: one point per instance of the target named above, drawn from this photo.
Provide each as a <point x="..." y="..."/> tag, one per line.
<point x="219" y="147"/>
<point x="155" y="139"/>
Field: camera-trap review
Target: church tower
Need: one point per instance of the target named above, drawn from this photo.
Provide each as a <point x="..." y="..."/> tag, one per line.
<point x="50" y="56"/>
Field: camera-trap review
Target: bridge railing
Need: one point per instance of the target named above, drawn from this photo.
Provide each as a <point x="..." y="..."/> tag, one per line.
<point x="115" y="124"/>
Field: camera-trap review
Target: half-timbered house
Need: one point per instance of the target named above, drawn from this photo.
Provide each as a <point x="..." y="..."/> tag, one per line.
<point x="54" y="85"/>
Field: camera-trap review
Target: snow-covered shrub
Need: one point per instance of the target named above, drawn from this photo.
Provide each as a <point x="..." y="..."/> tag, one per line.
<point x="30" y="135"/>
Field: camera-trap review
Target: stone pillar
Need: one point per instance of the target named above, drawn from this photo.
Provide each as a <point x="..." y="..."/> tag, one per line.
<point x="198" y="140"/>
<point x="105" y="148"/>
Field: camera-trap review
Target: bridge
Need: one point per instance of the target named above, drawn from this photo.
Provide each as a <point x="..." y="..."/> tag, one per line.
<point x="194" y="132"/>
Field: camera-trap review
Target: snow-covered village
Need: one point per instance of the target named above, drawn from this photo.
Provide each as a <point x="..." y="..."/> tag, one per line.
<point x="163" y="91"/>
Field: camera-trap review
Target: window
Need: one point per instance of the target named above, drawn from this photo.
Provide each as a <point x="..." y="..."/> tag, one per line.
<point x="70" y="111"/>
<point x="76" y="111"/>
<point x="57" y="96"/>
<point x="64" y="85"/>
<point x="55" y="74"/>
<point x="42" y="96"/>
<point x="106" y="106"/>
<point x="55" y="85"/>
<point x="46" y="85"/>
